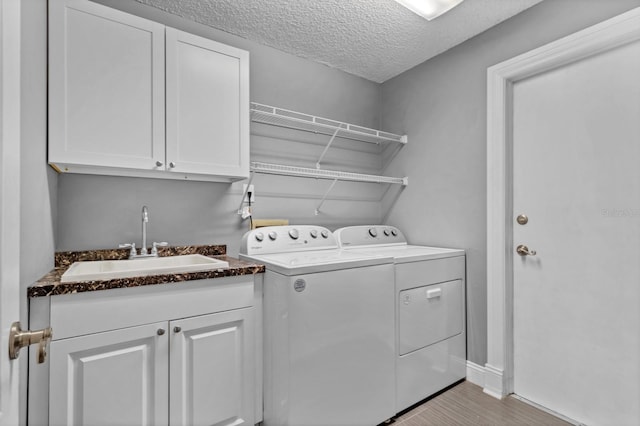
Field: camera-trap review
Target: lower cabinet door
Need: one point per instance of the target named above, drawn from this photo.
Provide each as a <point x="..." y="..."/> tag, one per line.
<point x="212" y="369"/>
<point x="116" y="378"/>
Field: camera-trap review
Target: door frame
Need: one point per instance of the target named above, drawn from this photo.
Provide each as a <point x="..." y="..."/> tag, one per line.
<point x="10" y="25"/>
<point x="612" y="33"/>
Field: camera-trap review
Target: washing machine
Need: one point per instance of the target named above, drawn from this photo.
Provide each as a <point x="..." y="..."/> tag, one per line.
<point x="329" y="338"/>
<point x="430" y="309"/>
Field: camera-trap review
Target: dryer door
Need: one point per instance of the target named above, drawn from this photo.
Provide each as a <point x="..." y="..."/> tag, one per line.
<point x="429" y="314"/>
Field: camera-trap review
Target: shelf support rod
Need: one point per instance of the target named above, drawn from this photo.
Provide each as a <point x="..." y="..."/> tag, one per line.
<point x="244" y="194"/>
<point x="326" y="148"/>
<point x="324" y="197"/>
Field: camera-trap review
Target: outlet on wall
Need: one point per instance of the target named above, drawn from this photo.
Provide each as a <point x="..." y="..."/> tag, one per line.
<point x="253" y="193"/>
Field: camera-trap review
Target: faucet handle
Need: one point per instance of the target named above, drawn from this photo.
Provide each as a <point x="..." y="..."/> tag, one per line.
<point x="132" y="252"/>
<point x="154" y="249"/>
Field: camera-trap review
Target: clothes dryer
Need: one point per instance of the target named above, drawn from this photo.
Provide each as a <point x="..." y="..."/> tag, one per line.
<point x="429" y="297"/>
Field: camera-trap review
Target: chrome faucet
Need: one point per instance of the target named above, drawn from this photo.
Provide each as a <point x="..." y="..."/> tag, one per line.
<point x="143" y="250"/>
<point x="145" y="220"/>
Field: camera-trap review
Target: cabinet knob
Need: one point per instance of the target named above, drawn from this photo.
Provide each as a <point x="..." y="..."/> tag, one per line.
<point x="172" y="164"/>
<point x="159" y="163"/>
<point x="177" y="329"/>
<point x="160" y="331"/>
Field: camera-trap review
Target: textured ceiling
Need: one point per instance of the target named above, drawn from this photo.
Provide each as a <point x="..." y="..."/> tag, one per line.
<point x="374" y="39"/>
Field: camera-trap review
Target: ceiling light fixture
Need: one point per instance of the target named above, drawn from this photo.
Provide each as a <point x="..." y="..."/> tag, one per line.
<point x="429" y="9"/>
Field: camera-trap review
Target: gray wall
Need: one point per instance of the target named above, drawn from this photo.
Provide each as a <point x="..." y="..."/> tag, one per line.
<point x="37" y="180"/>
<point x="441" y="105"/>
<point x="100" y="211"/>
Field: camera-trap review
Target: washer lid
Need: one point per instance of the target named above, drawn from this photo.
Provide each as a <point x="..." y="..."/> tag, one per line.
<point x="384" y="240"/>
<point x="309" y="262"/>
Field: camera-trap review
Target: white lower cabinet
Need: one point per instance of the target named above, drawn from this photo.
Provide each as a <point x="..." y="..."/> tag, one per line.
<point x="117" y="377"/>
<point x="211" y="370"/>
<point x="161" y="355"/>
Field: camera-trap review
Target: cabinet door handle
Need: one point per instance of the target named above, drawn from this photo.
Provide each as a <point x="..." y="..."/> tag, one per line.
<point x="172" y="164"/>
<point x="177" y="329"/>
<point x="159" y="163"/>
<point x="160" y="331"/>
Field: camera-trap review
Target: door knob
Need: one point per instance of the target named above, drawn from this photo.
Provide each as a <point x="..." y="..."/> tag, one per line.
<point x="523" y="250"/>
<point x="19" y="339"/>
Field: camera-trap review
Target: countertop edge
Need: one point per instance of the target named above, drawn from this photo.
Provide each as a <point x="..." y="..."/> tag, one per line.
<point x="50" y="285"/>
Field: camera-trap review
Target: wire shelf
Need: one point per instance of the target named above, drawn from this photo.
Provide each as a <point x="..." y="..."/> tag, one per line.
<point x="299" y="121"/>
<point x="280" y="169"/>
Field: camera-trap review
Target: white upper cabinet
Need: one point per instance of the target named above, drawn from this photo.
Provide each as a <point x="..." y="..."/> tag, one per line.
<point x="111" y="101"/>
<point x="106" y="87"/>
<point x="207" y="106"/>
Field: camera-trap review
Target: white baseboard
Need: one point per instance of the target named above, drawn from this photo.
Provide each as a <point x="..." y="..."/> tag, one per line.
<point x="494" y="382"/>
<point x="547" y="410"/>
<point x="487" y="377"/>
<point x="475" y="373"/>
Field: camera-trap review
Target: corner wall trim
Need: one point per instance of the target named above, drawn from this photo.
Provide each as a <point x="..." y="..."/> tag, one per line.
<point x="494" y="382"/>
<point x="475" y="373"/>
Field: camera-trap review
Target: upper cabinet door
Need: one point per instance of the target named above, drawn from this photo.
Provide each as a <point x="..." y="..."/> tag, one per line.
<point x="207" y="89"/>
<point x="106" y="87"/>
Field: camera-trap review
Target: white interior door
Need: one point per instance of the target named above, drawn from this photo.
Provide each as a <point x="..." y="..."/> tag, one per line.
<point x="576" y="147"/>
<point x="9" y="203"/>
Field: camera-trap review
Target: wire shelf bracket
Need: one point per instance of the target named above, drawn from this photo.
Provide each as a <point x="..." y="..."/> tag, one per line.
<point x="326" y="148"/>
<point x="324" y="197"/>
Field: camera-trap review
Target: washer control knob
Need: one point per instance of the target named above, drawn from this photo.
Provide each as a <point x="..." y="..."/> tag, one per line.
<point x="394" y="232"/>
<point x="259" y="236"/>
<point x="325" y="233"/>
<point x="373" y="232"/>
<point x="314" y="233"/>
<point x="273" y="235"/>
<point x="293" y="233"/>
<point x="387" y="233"/>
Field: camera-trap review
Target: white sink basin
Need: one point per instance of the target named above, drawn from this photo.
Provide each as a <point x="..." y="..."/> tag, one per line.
<point x="101" y="270"/>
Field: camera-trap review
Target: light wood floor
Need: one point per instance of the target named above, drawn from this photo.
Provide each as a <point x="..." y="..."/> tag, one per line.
<point x="466" y="404"/>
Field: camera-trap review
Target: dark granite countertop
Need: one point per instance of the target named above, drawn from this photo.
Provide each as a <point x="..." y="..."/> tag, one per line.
<point x="50" y="284"/>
